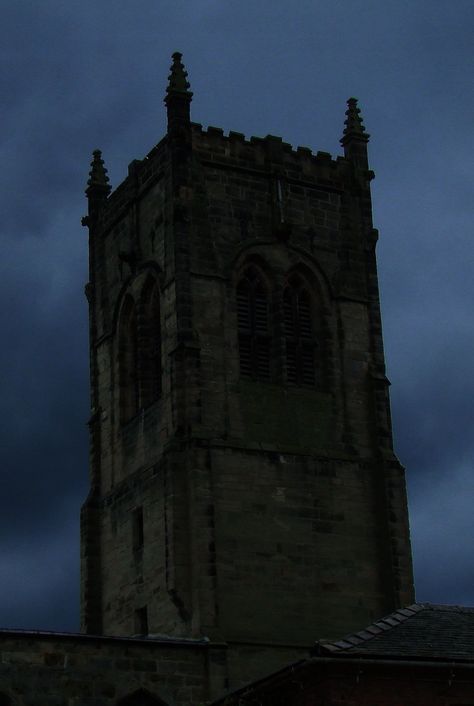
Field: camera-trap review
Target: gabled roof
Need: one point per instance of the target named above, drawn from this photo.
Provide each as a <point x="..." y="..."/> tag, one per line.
<point x="420" y="631"/>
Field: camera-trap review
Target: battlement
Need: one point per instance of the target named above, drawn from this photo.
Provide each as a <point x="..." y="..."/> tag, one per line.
<point x="212" y="143"/>
<point x="239" y="137"/>
<point x="268" y="155"/>
<point x="142" y="173"/>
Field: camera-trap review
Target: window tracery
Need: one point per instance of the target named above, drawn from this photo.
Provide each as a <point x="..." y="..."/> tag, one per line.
<point x="139" y="341"/>
<point x="298" y="329"/>
<point x="253" y="325"/>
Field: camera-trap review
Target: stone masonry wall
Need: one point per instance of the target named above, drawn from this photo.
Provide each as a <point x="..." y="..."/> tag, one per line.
<point x="50" y="669"/>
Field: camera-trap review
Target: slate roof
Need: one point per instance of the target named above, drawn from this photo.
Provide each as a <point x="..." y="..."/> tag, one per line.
<point x="420" y="631"/>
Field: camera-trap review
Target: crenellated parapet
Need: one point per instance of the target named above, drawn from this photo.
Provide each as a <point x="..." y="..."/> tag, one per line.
<point x="268" y="155"/>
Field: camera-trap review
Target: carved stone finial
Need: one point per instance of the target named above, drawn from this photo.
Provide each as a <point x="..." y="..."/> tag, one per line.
<point x="177" y="80"/>
<point x="98" y="182"/>
<point x="354" y="127"/>
<point x="178" y="96"/>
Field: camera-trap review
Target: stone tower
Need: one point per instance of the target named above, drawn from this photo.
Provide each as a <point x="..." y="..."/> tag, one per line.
<point x="243" y="481"/>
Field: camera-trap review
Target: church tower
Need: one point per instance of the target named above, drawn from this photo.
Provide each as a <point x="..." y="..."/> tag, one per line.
<point x="243" y="481"/>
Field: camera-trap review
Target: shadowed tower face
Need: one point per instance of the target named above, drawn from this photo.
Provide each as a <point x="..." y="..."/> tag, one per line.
<point x="243" y="481"/>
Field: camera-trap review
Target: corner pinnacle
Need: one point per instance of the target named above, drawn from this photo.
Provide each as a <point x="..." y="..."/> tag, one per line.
<point x="177" y="81"/>
<point x="98" y="182"/>
<point x="178" y="98"/>
<point x="354" y="127"/>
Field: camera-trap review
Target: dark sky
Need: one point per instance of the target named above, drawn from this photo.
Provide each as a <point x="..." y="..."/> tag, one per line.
<point x="82" y="74"/>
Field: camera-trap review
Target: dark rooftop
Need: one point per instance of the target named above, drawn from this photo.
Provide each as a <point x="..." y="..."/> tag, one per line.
<point x="420" y="631"/>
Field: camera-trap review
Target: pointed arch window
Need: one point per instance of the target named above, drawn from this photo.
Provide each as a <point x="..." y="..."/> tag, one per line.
<point x="139" y="355"/>
<point x="253" y="325"/>
<point x="128" y="361"/>
<point x="299" y="338"/>
<point x="150" y="346"/>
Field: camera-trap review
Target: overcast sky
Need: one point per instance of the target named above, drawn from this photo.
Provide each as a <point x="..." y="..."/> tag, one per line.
<point x="82" y="74"/>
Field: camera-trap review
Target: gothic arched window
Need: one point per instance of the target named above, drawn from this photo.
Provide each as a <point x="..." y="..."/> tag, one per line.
<point x="253" y="329"/>
<point x="149" y="339"/>
<point x="128" y="361"/>
<point x="298" y="327"/>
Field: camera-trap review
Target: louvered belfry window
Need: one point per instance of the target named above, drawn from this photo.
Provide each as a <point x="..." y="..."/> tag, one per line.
<point x="298" y="327"/>
<point x="252" y="319"/>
